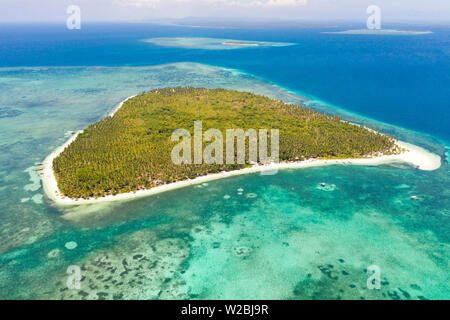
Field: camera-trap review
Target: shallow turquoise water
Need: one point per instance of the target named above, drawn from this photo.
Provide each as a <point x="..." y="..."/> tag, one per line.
<point x="283" y="238"/>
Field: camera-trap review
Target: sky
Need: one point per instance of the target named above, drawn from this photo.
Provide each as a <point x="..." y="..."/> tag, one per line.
<point x="302" y="10"/>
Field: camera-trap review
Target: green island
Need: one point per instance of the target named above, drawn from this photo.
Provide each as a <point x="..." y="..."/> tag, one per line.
<point x="131" y="150"/>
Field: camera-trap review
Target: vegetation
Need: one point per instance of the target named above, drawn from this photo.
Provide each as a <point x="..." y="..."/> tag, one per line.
<point x="132" y="149"/>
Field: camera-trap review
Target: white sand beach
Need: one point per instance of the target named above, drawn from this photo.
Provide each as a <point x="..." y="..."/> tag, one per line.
<point x="414" y="155"/>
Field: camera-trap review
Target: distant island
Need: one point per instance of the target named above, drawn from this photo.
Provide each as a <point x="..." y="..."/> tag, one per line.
<point x="128" y="153"/>
<point x="381" y="32"/>
<point x="212" y="43"/>
<point x="236" y="43"/>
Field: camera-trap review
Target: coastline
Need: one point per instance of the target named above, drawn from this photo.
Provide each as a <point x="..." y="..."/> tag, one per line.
<point x="416" y="156"/>
<point x="388" y="32"/>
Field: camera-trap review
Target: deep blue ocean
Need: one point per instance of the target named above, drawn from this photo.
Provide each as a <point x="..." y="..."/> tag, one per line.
<point x="402" y="80"/>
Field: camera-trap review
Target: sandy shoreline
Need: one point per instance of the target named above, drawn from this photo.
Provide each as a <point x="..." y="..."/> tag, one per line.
<point x="416" y="156"/>
<point x="120" y="105"/>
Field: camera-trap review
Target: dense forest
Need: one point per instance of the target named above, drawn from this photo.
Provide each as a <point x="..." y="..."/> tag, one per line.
<point x="131" y="150"/>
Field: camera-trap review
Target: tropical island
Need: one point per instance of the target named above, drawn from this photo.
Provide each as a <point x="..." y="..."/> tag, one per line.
<point x="389" y="32"/>
<point x="129" y="152"/>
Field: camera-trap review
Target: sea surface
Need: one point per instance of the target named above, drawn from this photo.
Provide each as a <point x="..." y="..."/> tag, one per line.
<point x="283" y="236"/>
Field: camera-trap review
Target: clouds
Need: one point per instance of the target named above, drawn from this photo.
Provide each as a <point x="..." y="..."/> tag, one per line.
<point x="139" y="3"/>
<point x="245" y="9"/>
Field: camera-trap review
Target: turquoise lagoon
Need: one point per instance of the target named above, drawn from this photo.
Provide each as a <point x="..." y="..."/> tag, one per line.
<point x="282" y="237"/>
